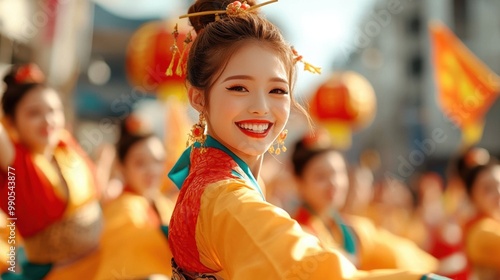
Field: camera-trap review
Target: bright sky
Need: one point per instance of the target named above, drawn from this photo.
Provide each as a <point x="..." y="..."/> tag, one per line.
<point x="320" y="30"/>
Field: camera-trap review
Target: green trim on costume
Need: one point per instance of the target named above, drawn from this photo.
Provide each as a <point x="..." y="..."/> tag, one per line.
<point x="180" y="171"/>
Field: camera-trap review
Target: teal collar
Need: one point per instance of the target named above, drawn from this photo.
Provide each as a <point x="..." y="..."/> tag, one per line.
<point x="348" y="236"/>
<point x="180" y="171"/>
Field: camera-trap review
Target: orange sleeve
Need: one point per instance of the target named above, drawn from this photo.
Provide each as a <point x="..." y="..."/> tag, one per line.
<point x="243" y="237"/>
<point x="382" y="249"/>
<point x="483" y="243"/>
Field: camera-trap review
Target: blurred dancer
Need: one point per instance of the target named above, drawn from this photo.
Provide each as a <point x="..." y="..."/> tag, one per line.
<point x="482" y="231"/>
<point x="321" y="172"/>
<point x="52" y="180"/>
<point x="134" y="238"/>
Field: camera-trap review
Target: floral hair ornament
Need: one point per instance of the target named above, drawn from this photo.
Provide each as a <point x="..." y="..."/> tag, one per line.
<point x="307" y="66"/>
<point x="29" y="73"/>
<point x="233" y="9"/>
<point x="135" y="125"/>
<point x="317" y="139"/>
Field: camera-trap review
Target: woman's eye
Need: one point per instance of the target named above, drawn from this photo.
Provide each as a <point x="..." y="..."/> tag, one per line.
<point x="237" y="88"/>
<point x="278" y="91"/>
<point x="34" y="112"/>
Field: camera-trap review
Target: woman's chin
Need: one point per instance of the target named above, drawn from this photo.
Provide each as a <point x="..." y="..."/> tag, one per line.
<point x="253" y="151"/>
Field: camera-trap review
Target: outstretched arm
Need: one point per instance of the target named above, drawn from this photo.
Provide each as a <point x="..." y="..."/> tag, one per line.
<point x="247" y="238"/>
<point x="6" y="149"/>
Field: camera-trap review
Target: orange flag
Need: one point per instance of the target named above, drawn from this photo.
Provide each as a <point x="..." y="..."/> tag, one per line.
<point x="466" y="87"/>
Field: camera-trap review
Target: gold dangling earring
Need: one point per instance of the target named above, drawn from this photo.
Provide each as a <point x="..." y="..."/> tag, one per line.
<point x="280" y="143"/>
<point x="197" y="133"/>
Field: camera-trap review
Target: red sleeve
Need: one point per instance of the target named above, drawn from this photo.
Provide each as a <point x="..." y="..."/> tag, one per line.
<point x="35" y="203"/>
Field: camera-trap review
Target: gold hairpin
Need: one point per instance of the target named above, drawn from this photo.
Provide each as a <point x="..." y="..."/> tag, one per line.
<point x="174" y="49"/>
<point x="232" y="9"/>
<point x="307" y="66"/>
<point x="181" y="64"/>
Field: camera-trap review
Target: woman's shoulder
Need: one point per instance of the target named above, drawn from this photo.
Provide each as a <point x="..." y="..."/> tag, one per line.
<point x="209" y="167"/>
<point x="211" y="159"/>
<point x="484" y="223"/>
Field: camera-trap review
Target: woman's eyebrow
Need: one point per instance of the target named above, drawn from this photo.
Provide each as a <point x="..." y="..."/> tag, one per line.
<point x="247" y="77"/>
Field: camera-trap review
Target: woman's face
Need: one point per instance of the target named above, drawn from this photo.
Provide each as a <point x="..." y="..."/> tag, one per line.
<point x="144" y="166"/>
<point x="324" y="182"/>
<point x="250" y="101"/>
<point x="486" y="191"/>
<point x="39" y="119"/>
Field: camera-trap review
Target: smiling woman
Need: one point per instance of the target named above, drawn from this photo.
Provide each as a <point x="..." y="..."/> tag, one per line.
<point x="240" y="76"/>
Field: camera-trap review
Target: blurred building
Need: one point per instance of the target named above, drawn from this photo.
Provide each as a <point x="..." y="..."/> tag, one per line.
<point x="392" y="49"/>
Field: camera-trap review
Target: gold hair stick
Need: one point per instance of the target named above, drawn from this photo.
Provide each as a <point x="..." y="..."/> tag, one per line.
<point x="232" y="9"/>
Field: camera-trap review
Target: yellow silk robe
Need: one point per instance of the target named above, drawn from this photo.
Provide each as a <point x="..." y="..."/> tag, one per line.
<point x="222" y="226"/>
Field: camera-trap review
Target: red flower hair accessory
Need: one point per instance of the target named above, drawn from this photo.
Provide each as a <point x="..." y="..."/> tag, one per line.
<point x="29" y="73"/>
<point x="236" y="8"/>
<point x="137" y="126"/>
<point x="317" y="139"/>
<point x="307" y="66"/>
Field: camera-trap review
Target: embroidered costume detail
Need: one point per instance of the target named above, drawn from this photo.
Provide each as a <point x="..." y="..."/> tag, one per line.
<point x="215" y="164"/>
<point x="210" y="167"/>
<point x="181" y="169"/>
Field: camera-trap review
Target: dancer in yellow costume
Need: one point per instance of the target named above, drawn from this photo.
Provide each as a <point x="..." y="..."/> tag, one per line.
<point x="135" y="222"/>
<point x="482" y="232"/>
<point x="51" y="181"/>
<point x="321" y="174"/>
<point x="240" y="75"/>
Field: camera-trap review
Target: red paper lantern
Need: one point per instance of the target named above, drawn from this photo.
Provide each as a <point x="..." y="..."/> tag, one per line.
<point x="149" y="55"/>
<point x="346" y="97"/>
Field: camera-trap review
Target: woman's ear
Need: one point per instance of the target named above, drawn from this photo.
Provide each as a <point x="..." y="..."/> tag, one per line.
<point x="196" y="98"/>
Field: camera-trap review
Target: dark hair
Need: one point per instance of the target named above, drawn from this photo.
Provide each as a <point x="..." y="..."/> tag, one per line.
<point x="17" y="88"/>
<point x="129" y="138"/>
<point x="473" y="174"/>
<point x="305" y="151"/>
<point x="218" y="40"/>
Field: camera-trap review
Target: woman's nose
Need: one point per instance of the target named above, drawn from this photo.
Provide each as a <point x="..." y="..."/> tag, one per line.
<point x="259" y="104"/>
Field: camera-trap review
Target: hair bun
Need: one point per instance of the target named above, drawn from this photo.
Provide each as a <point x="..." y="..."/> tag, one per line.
<point x="136" y="126"/>
<point x="199" y="22"/>
<point x="24" y="74"/>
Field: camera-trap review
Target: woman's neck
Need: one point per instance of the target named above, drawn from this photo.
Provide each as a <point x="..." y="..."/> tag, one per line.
<point x="255" y="165"/>
<point x="48" y="153"/>
<point x="322" y="213"/>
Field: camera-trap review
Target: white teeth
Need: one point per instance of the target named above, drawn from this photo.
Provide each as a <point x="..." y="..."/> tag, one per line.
<point x="257" y="128"/>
